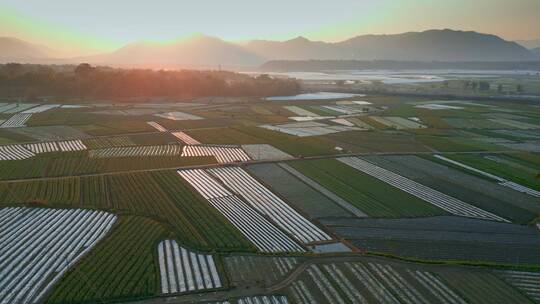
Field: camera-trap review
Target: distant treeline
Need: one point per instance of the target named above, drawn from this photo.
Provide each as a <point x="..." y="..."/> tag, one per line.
<point x="84" y="81"/>
<point x="322" y="65"/>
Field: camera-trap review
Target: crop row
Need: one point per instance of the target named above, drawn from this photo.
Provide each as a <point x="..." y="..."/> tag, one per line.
<point x="163" y="196"/>
<point x="267" y="203"/>
<point x="425" y="193"/>
<point x="78" y="163"/>
<point x="188" y="140"/>
<point x="120" y="267"/>
<point x="362" y="191"/>
<point x="256" y="228"/>
<point x="164" y="150"/>
<point x="17" y="120"/>
<point x="40" y="245"/>
<point x="182" y="270"/>
<point x="223" y="154"/>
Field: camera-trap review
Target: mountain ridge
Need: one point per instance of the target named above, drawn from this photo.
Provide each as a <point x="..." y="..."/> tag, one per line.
<point x="200" y="50"/>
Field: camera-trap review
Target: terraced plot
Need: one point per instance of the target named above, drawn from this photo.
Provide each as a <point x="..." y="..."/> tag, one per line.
<point x="182" y="270"/>
<point x="105" y="274"/>
<point x="364" y="192"/>
<point x="31" y="263"/>
<point x="427" y="194"/>
<point x="266" y="202"/>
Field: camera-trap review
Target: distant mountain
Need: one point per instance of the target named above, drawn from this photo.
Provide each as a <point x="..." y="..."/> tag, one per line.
<point x="530" y="44"/>
<point x="204" y="51"/>
<point x="336" y="65"/>
<point x="13" y="49"/>
<point x="432" y="45"/>
<point x="196" y="51"/>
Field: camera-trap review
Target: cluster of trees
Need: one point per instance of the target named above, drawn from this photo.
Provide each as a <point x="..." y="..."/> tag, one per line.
<point x="85" y="81"/>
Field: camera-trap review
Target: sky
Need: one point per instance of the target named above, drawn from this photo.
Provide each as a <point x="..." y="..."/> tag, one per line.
<point x="84" y="27"/>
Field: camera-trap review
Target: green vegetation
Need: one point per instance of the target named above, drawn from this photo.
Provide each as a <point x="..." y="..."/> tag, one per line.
<point x="106" y="142"/>
<point x="506" y="166"/>
<point x="370" y="195"/>
<point x="163" y="196"/>
<point x="483" y="288"/>
<point x="78" y="163"/>
<point x="377" y="141"/>
<point x="120" y="267"/>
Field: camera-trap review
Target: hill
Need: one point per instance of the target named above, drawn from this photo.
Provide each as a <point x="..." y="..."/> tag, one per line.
<point x="13" y="49"/>
<point x="204" y="51"/>
<point x="432" y="45"/>
<point x="199" y="50"/>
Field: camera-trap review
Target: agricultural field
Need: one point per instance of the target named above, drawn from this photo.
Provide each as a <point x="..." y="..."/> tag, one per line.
<point x="368" y="199"/>
<point x="369" y="195"/>
<point x="33" y="262"/>
<point x="441" y="238"/>
<point x="477" y="192"/>
<point x="113" y="276"/>
<point x="506" y="166"/>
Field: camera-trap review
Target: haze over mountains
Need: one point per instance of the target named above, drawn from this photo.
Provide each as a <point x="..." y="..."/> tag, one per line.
<point x="431" y="45"/>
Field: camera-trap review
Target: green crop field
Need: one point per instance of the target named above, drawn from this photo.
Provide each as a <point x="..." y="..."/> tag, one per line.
<point x="78" y="163"/>
<point x="121" y="267"/>
<point x="483" y="288"/>
<point x="506" y="166"/>
<point x="375" y="198"/>
<point x="163" y="196"/>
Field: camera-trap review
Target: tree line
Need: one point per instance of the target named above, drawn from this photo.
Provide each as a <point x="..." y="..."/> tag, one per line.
<point x="85" y="81"/>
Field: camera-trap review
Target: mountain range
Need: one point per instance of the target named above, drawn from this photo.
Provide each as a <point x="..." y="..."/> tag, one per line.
<point x="203" y="51"/>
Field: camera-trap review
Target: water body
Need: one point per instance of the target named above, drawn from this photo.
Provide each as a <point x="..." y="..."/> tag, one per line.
<point x="400" y="76"/>
<point x="314" y="96"/>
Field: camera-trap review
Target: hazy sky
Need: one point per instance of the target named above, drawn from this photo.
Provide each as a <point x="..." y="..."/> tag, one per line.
<point x="108" y="24"/>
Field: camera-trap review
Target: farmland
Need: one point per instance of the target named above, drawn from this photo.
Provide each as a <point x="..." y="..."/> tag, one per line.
<point x="387" y="199"/>
<point x="364" y="192"/>
<point x="112" y="275"/>
<point x="32" y="262"/>
<point x="161" y="195"/>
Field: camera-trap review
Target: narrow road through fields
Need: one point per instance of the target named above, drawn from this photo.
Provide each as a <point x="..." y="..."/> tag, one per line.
<point x="255" y="162"/>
